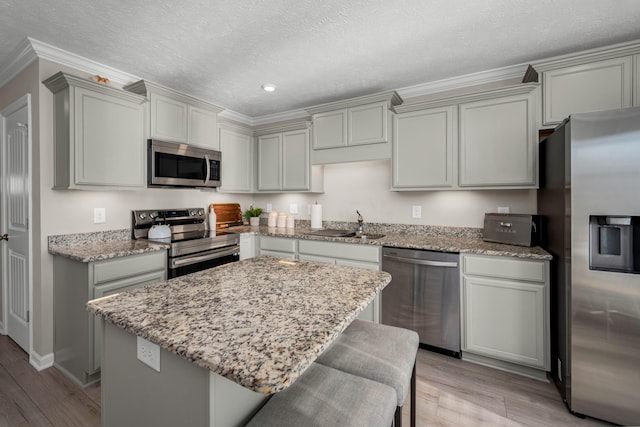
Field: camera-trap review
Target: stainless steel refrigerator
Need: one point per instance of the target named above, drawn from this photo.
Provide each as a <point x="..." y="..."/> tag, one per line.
<point x="589" y="198"/>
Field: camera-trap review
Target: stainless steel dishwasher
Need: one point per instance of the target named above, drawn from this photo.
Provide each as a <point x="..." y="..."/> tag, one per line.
<point x="424" y="296"/>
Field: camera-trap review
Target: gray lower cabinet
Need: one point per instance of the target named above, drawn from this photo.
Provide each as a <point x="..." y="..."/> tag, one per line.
<point x="77" y="333"/>
<point x="281" y="247"/>
<point x="505" y="312"/>
<point x="348" y="255"/>
<point x="98" y="135"/>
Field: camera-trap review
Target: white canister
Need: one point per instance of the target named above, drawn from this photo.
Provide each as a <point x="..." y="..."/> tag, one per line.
<point x="291" y="222"/>
<point x="272" y="219"/>
<point x="282" y="220"/>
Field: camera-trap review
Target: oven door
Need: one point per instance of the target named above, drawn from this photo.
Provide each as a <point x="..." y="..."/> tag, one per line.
<point x="180" y="165"/>
<point x="187" y="264"/>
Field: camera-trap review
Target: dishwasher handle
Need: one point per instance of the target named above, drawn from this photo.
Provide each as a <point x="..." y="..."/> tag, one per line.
<point x="422" y="261"/>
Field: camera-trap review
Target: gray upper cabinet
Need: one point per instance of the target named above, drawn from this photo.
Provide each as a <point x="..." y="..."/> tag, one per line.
<point x="482" y="140"/>
<point x="283" y="162"/>
<point x="99" y="135"/>
<point x="354" y="129"/>
<point x="602" y="85"/>
<point x="177" y="117"/>
<point x="498" y="144"/>
<point x="424" y="146"/>
<point x="236" y="145"/>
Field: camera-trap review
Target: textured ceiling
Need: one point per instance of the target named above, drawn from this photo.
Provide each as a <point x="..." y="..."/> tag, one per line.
<point x="314" y="51"/>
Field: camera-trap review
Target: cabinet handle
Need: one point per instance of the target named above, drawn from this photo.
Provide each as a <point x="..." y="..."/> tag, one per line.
<point x="505" y="224"/>
<point x="423" y="262"/>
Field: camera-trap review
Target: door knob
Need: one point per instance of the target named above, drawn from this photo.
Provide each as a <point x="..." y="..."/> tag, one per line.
<point x="4" y="237"/>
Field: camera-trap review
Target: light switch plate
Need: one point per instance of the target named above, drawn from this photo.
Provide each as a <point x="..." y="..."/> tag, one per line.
<point x="503" y="209"/>
<point x="293" y="208"/>
<point x="269" y="207"/>
<point x="416" y="211"/>
<point x="99" y="215"/>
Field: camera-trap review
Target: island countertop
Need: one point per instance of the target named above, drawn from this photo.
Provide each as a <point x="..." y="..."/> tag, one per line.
<point x="259" y="322"/>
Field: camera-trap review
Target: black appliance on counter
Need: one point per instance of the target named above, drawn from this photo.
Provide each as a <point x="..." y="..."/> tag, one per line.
<point x="192" y="247"/>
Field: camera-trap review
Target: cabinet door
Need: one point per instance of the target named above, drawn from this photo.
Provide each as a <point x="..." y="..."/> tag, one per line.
<point x="602" y="85"/>
<point x="505" y="320"/>
<point x="109" y="141"/>
<point x="423" y="148"/>
<point x="269" y="162"/>
<point x="203" y="128"/>
<point x="330" y="129"/>
<point x="497" y="142"/>
<point x="168" y="118"/>
<point x="237" y="161"/>
<point x="295" y="160"/>
<point x="367" y="124"/>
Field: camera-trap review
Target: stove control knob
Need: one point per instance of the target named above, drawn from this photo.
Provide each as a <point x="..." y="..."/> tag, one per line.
<point x="192" y="212"/>
<point x="200" y="212"/>
<point x="142" y="215"/>
<point x="153" y="215"/>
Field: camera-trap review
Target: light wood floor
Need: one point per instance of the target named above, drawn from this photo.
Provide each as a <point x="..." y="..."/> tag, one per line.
<point x="450" y="393"/>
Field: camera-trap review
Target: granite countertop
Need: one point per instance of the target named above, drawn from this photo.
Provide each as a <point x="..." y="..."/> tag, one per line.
<point x="435" y="242"/>
<point x="259" y="322"/>
<point x="99" y="251"/>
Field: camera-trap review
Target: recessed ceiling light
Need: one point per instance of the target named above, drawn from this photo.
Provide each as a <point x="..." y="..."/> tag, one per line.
<point x="268" y="87"/>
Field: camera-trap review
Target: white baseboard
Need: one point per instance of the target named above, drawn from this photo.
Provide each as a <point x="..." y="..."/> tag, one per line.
<point x="41" y="362"/>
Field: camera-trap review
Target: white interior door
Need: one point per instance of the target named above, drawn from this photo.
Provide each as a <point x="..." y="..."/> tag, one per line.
<point x="15" y="221"/>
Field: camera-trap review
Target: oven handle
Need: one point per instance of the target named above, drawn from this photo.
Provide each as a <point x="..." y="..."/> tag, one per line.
<point x="210" y="255"/>
<point x="422" y="262"/>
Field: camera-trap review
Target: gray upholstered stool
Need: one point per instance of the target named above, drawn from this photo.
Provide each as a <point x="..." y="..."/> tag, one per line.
<point x="326" y="397"/>
<point x="381" y="353"/>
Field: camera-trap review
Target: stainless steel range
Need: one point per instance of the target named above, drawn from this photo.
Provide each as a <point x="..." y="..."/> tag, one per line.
<point x="192" y="247"/>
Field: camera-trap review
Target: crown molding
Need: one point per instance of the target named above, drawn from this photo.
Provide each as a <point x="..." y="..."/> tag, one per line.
<point x="20" y="58"/>
<point x="585" y="56"/>
<point x="467" y="80"/>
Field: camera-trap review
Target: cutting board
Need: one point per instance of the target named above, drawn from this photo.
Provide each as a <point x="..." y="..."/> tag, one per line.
<point x="227" y="214"/>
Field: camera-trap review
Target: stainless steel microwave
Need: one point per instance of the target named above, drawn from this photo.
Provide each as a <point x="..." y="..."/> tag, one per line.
<point x="171" y="164"/>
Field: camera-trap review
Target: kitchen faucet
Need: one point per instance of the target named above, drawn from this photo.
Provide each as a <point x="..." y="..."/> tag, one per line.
<point x="360" y="223"/>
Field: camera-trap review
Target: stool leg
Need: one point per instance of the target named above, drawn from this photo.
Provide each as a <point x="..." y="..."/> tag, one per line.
<point x="413" y="396"/>
<point x="397" y="418"/>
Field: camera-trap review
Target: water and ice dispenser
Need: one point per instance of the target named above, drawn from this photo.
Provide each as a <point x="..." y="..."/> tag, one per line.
<point x="614" y="243"/>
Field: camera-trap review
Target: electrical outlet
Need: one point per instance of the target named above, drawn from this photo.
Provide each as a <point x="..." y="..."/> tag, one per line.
<point x="99" y="215"/>
<point x="416" y="211"/>
<point x="269" y="207"/>
<point x="293" y="208"/>
<point x="503" y="209"/>
<point x="149" y="353"/>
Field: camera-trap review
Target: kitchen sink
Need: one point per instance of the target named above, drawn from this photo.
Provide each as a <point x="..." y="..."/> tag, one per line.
<point x="370" y="236"/>
<point x="328" y="232"/>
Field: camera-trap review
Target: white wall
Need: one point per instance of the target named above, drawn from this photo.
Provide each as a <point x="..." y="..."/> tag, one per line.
<point x="365" y="186"/>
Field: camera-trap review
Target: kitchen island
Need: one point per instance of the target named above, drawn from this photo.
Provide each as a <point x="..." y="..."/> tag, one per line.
<point x="226" y="338"/>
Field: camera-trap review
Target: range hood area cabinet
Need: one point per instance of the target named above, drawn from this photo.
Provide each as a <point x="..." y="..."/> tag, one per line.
<point x="284" y="164"/>
<point x="483" y="140"/>
<point x="353" y="130"/>
<point x="98" y="135"/>
<point x="176" y="117"/>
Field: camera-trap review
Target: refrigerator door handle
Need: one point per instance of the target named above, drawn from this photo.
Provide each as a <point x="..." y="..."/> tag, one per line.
<point x="422" y="262"/>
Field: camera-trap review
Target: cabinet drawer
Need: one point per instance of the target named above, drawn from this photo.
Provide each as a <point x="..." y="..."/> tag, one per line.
<point x="278" y="244"/>
<point x="368" y="253"/>
<point x="106" y="271"/>
<point x="503" y="267"/>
